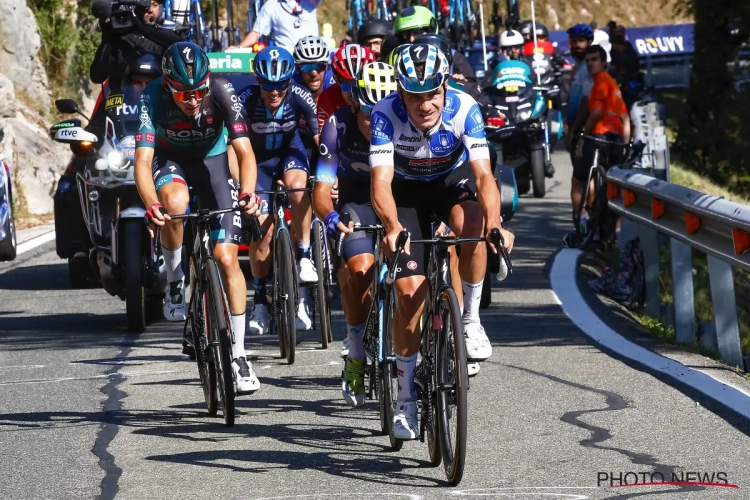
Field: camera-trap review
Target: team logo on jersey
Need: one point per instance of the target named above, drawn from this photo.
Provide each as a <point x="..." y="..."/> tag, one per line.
<point x="443" y="142"/>
<point x="379" y="124"/>
<point x="144" y="118"/>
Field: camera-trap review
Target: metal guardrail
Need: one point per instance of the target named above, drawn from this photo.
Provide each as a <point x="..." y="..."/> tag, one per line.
<point x="691" y="219"/>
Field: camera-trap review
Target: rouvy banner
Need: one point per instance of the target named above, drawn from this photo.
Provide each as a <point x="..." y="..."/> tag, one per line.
<point x="649" y="41"/>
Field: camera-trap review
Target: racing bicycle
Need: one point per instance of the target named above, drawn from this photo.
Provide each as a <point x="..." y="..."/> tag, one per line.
<point x="441" y="377"/>
<point x="208" y="328"/>
<point x="189" y="13"/>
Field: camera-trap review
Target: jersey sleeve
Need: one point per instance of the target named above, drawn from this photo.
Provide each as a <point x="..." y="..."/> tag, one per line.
<point x="473" y="136"/>
<point x="305" y="102"/>
<point x="146" y="135"/>
<point x="328" y="162"/>
<point x="226" y="100"/>
<point x="262" y="25"/>
<point x="381" y="144"/>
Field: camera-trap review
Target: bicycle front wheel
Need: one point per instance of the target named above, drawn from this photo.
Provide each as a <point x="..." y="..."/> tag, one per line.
<point x="220" y="339"/>
<point x="598" y="210"/>
<point x="388" y="379"/>
<point x="321" y="266"/>
<point x="285" y="294"/>
<point x="453" y="379"/>
<point x="196" y="322"/>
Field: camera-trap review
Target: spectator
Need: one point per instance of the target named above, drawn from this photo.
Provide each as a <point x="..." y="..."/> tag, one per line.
<point x="285" y="21"/>
<point x="372" y="34"/>
<point x="625" y="67"/>
<point x="601" y="38"/>
<point x="328" y="36"/>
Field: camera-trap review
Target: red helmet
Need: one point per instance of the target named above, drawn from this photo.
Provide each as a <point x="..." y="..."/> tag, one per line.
<point x="347" y="61"/>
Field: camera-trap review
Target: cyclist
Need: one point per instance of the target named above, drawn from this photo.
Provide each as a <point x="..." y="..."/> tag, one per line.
<point x="429" y="155"/>
<point x="373" y="33"/>
<point x="345" y="148"/>
<point x="180" y="143"/>
<point x="511" y="46"/>
<point x="311" y="56"/>
<point x="346" y="62"/>
<point x="274" y="108"/>
<point x="581" y="37"/>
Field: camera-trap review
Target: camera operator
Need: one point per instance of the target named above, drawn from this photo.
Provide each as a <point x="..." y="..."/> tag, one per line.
<point x="130" y="28"/>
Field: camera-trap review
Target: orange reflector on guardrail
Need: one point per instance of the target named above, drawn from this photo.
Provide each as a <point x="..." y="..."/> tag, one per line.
<point x="741" y="241"/>
<point x="658" y="209"/>
<point x="612" y="191"/>
<point x="692" y="223"/>
<point x="628" y="197"/>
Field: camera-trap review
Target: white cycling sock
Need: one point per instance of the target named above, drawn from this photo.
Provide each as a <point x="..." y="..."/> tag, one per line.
<point x="304" y="295"/>
<point x="238" y="326"/>
<point x="405" y="369"/>
<point x="356" y="347"/>
<point x="173" y="263"/>
<point x="472" y="297"/>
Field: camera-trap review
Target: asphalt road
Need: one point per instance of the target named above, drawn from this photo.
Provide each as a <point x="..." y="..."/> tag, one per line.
<point x="90" y="411"/>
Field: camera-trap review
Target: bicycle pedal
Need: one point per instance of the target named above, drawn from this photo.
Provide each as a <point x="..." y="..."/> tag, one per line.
<point x="189" y="351"/>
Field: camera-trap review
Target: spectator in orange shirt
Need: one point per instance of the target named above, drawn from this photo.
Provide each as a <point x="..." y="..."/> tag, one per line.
<point x="608" y="115"/>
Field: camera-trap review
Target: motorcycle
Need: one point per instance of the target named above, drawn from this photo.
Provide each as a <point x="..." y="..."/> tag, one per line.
<point x="7" y="222"/>
<point x="516" y="125"/>
<point x="123" y="254"/>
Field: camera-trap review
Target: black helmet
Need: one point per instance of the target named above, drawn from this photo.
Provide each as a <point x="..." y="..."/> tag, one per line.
<point x="145" y="64"/>
<point x="526" y="27"/>
<point x="373" y="27"/>
<point x="390" y="43"/>
<point x="439" y="42"/>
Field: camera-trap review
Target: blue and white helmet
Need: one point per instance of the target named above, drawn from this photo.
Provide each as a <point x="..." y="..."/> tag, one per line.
<point x="273" y="64"/>
<point x="422" y="68"/>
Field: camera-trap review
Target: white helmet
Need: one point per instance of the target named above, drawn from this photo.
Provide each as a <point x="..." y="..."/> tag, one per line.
<point x="511" y="38"/>
<point x="311" y="49"/>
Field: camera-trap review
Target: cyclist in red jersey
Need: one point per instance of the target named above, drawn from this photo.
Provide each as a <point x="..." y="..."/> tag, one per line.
<point x="346" y="63"/>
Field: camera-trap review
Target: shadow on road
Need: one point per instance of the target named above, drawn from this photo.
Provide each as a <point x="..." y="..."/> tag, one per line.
<point x="41" y="277"/>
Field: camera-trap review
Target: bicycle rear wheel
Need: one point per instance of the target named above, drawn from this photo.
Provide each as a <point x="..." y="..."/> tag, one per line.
<point x="597" y="213"/>
<point x="197" y="323"/>
<point x="321" y="292"/>
<point x="388" y="378"/>
<point x="453" y="379"/>
<point x="220" y="339"/>
<point x="286" y="294"/>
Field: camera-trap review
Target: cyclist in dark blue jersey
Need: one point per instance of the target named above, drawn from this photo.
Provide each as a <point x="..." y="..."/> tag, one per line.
<point x="274" y="109"/>
<point x="180" y="144"/>
<point x="344" y="153"/>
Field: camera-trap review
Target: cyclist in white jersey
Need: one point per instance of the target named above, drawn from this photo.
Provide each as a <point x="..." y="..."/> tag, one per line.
<point x="429" y="156"/>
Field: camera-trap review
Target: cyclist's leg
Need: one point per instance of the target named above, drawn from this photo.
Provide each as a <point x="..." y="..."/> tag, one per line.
<point x="260" y="252"/>
<point x="296" y="168"/>
<point x="217" y="191"/>
<point x="171" y="187"/>
<point x="580" y="175"/>
<point x="458" y="206"/>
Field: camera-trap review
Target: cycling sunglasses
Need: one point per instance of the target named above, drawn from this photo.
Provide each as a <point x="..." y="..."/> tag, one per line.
<point x="277" y="86"/>
<point x="310" y="67"/>
<point x="184" y="96"/>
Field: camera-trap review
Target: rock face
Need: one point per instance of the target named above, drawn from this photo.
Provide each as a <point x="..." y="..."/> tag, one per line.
<point x="36" y="161"/>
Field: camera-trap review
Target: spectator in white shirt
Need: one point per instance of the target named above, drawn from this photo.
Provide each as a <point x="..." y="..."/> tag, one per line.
<point x="601" y="38"/>
<point x="285" y="21"/>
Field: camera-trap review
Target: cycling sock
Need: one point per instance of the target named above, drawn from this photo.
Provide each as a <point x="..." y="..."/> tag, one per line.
<point x="472" y="298"/>
<point x="260" y="291"/>
<point x="405" y="368"/>
<point x="238" y="326"/>
<point x="173" y="263"/>
<point x="304" y="295"/>
<point x="303" y="250"/>
<point x="355" y="335"/>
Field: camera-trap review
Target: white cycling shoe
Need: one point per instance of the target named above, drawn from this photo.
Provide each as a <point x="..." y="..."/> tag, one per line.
<point x="260" y="320"/>
<point x="478" y="347"/>
<point x="472" y="368"/>
<point x="405" y="423"/>
<point x="345" y="349"/>
<point x="175" y="306"/>
<point x="302" y="322"/>
<point x="246" y="382"/>
<point x="306" y="271"/>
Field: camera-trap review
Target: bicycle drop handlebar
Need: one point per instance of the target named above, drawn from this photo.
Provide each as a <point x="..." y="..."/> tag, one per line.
<point x="204" y="214"/>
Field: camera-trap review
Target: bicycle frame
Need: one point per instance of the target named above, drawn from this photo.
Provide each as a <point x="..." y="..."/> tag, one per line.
<point x="192" y="17"/>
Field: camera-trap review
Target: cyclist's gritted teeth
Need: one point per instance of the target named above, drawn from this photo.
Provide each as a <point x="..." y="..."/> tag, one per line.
<point x="314" y="80"/>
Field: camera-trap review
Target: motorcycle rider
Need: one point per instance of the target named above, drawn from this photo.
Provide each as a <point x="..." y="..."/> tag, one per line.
<point x="428" y="121"/>
<point x="345" y="148"/>
<point x="180" y="143"/>
<point x="373" y="33"/>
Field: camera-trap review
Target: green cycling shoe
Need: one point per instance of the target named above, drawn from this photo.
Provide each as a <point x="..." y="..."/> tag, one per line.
<point x="353" y="383"/>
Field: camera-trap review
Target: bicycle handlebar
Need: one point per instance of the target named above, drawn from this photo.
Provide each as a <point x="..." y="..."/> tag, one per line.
<point x="204" y="214"/>
<point x="601" y="141"/>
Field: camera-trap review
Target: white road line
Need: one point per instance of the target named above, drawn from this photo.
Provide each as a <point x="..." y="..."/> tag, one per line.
<point x="563" y="281"/>
<point x="35" y="242"/>
<point x="346" y="495"/>
<point x="20" y="367"/>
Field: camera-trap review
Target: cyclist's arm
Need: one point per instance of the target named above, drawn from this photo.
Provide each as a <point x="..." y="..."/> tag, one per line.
<point x="328" y="164"/>
<point x="304" y="100"/>
<point x="475" y="142"/>
<point x="625" y="127"/>
<point x="145" y="141"/>
<point x="248" y="167"/>
<point x="382" y="170"/>
<point x="262" y="26"/>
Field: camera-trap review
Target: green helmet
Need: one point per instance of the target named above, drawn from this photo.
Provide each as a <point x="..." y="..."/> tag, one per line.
<point x="415" y="17"/>
<point x="185" y="65"/>
<point x="395" y="53"/>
